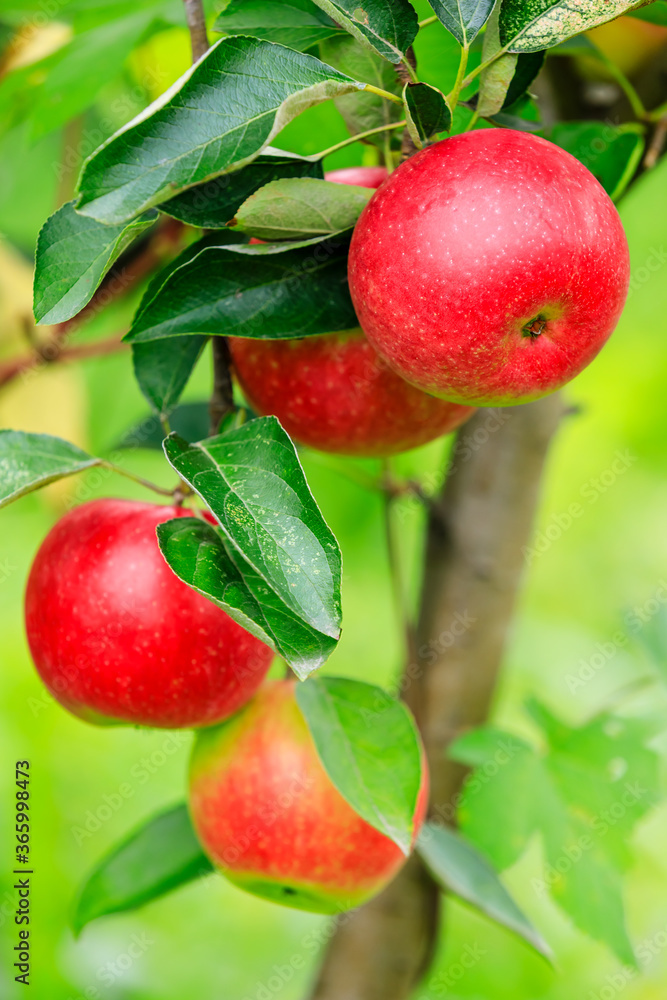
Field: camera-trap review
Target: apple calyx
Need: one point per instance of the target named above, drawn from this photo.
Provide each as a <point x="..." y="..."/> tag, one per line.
<point x="535" y="327"/>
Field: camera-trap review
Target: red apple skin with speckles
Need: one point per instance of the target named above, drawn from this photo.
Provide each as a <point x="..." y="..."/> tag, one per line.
<point x="118" y="638"/>
<point x="270" y="818"/>
<point x="368" y="177"/>
<point x="334" y="393"/>
<point x="490" y="268"/>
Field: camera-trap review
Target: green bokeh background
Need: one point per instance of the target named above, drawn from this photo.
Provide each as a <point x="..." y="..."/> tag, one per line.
<point x="210" y="940"/>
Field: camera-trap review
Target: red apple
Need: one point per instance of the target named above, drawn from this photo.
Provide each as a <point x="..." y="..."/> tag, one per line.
<point x="490" y="268"/>
<point x="335" y="394"/>
<point x="117" y="637"/>
<point x="269" y="816"/>
<point x="367" y="177"/>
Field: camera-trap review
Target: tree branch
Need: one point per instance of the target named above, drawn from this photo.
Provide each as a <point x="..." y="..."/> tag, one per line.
<point x="222" y="397"/>
<point x="474" y="560"/>
<point x="53" y="353"/>
<point x="194" y="15"/>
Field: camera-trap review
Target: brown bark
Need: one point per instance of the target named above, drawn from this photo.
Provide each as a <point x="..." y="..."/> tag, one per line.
<point x="222" y="396"/>
<point x="194" y="15"/>
<point x="477" y="530"/>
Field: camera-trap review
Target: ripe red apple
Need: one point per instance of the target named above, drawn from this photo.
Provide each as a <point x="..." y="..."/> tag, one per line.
<point x="490" y="268"/>
<point x="334" y="393"/>
<point x="117" y="637"/>
<point x="269" y="816"/>
<point x="368" y="177"/>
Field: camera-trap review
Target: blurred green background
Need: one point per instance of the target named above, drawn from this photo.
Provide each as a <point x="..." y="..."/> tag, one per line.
<point x="210" y="940"/>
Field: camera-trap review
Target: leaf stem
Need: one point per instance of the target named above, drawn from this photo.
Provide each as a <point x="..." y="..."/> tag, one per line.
<point x="482" y="66"/>
<point x="395" y="568"/>
<point x="355" y="138"/>
<point x="459" y="83"/>
<point x="410" y="70"/>
<point x="428" y="20"/>
<point x="626" y="86"/>
<point x="657" y="113"/>
<point x="137" y="479"/>
<point x="388" y="155"/>
<point x="388" y="96"/>
<point x="473" y="121"/>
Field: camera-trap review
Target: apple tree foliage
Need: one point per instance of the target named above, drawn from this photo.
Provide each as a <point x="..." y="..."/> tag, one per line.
<point x="207" y="154"/>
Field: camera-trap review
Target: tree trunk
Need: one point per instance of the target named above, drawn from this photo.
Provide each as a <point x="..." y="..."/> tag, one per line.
<point x="477" y="530"/>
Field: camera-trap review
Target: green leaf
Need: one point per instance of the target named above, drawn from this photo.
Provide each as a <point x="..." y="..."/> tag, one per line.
<point x="159" y="856"/>
<point x="584" y="795"/>
<point x="459" y="868"/>
<point x="200" y="557"/>
<point x="162" y="369"/>
<point x="57" y="88"/>
<point x="388" y="26"/>
<point x="463" y="18"/>
<point x="213" y="204"/>
<point x="612" y="153"/>
<point x="494" y="82"/>
<point x="189" y="420"/>
<point x="30" y="461"/>
<point x="201" y="127"/>
<point x="528" y="66"/>
<point x="252" y="481"/>
<point x="655" y="13"/>
<point x="652" y="637"/>
<point x="539" y="24"/>
<point x="296" y="208"/>
<point x="299" y="24"/>
<point x="363" y="111"/>
<point x="73" y="255"/>
<point x="370" y="748"/>
<point x="264" y="294"/>
<point x="426" y="112"/>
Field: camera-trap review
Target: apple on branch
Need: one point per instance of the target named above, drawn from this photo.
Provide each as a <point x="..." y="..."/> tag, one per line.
<point x="333" y="392"/>
<point x="490" y="268"/>
<point x="118" y="638"/>
<point x="270" y="818"/>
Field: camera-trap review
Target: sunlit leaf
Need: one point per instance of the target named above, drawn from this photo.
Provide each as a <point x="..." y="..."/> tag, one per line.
<point x="369" y="745"/>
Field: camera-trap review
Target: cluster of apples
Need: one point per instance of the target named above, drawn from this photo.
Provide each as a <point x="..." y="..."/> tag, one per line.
<point x="119" y="639"/>
<point x="487" y="269"/>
